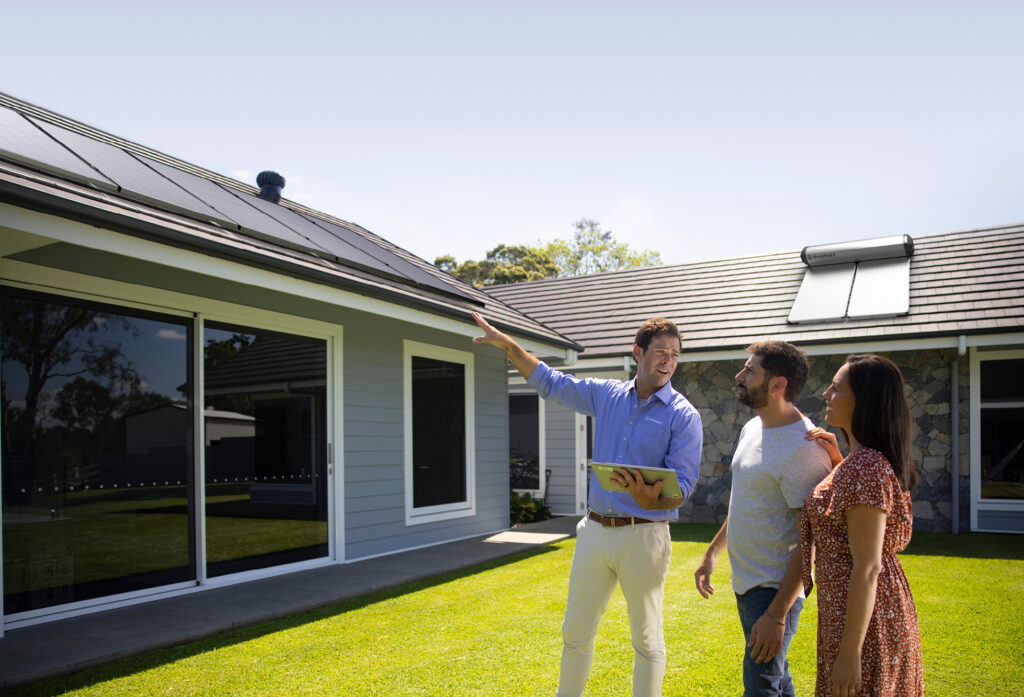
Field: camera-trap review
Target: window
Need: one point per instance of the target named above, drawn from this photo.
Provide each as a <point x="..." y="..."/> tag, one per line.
<point x="438" y="388"/>
<point x="1002" y="429"/>
<point x="266" y="448"/>
<point x="524" y="454"/>
<point x="96" y="451"/>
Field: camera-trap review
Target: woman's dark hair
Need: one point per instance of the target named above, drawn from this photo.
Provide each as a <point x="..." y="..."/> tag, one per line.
<point x="881" y="417"/>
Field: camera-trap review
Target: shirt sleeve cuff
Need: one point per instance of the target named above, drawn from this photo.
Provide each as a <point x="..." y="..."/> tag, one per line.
<point x="538" y="374"/>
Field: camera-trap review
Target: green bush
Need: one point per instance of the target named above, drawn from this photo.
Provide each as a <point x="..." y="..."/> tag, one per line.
<point x="523" y="508"/>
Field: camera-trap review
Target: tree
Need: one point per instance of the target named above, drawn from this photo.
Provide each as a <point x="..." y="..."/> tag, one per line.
<point x="52" y="342"/>
<point x="504" y="264"/>
<point x="590" y="250"/>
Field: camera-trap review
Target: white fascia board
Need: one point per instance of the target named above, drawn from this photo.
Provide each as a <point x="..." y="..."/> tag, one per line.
<point x="64" y="230"/>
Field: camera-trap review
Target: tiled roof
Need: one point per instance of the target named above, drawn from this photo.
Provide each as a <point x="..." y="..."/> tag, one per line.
<point x="968" y="282"/>
<point x="55" y="192"/>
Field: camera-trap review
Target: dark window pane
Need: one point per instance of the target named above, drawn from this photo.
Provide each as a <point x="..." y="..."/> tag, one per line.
<point x="1002" y="453"/>
<point x="95" y="456"/>
<point x="266" y="449"/>
<point x="523" y="442"/>
<point x="438" y="432"/>
<point x="265" y="426"/>
<point x="1002" y="380"/>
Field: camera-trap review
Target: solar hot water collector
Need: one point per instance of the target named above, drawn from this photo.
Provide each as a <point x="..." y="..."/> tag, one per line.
<point x="849" y="280"/>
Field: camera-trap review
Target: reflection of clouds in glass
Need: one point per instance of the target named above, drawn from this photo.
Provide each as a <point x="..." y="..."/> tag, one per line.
<point x="100" y="320"/>
<point x="173" y="334"/>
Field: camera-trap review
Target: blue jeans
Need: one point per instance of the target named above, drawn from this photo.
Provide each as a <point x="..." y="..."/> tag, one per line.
<point x="769" y="679"/>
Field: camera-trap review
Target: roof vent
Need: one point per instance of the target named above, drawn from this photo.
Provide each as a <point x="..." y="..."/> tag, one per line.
<point x="270" y="184"/>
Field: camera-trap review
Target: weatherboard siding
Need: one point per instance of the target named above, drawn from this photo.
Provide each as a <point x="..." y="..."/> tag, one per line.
<point x="561" y="458"/>
<point x="374" y="457"/>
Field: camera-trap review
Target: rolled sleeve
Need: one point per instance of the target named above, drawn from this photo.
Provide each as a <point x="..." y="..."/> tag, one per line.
<point x="573" y="392"/>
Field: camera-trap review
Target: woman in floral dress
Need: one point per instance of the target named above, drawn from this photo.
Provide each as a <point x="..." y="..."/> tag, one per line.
<point x="853" y="524"/>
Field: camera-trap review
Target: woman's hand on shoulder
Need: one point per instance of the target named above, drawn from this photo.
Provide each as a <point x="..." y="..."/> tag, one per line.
<point x="828" y="441"/>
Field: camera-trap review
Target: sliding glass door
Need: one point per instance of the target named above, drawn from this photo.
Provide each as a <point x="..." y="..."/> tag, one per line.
<point x="100" y="460"/>
<point x="266" y="448"/>
<point x="96" y="453"/>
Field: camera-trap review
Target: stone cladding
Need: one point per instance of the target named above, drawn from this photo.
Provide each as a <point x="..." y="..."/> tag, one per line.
<point x="711" y="388"/>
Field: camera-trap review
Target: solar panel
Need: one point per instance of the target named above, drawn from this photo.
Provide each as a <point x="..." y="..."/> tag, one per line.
<point x="234" y="208"/>
<point x="880" y="288"/>
<point x="863" y="278"/>
<point x="823" y="294"/>
<point x="135" y="179"/>
<point x="21" y="141"/>
<point x="69" y="154"/>
<point x="353" y="240"/>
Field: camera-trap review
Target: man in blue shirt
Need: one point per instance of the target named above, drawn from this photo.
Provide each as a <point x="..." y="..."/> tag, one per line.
<point x="624" y="538"/>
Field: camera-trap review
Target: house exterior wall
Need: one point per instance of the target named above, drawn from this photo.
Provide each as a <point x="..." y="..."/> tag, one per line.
<point x="374" y="456"/>
<point x="560" y="427"/>
<point x="365" y="376"/>
<point x="710" y="386"/>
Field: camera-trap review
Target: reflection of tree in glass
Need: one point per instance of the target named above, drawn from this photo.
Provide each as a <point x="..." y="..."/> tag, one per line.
<point x="216" y="352"/>
<point x="219" y="352"/>
<point x="60" y="342"/>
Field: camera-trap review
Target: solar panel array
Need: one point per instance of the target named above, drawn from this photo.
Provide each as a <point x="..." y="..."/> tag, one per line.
<point x="70" y="155"/>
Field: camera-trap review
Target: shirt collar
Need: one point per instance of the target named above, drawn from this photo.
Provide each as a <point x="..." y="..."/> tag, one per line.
<point x="664" y="394"/>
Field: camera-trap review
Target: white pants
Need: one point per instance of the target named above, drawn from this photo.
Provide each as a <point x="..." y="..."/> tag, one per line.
<point x="637" y="558"/>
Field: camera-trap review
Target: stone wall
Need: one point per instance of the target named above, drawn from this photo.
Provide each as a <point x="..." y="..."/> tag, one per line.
<point x="711" y="387"/>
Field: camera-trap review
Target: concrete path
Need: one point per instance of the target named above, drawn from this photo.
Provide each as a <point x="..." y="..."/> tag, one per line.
<point x="65" y="646"/>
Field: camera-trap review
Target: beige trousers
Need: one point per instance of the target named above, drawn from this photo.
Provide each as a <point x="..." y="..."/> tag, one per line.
<point x="636" y="557"/>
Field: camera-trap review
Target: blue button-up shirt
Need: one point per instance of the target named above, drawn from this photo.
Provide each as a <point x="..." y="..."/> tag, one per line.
<point x="666" y="431"/>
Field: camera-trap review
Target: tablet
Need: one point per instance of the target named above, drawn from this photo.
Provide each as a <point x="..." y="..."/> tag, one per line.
<point x="671" y="489"/>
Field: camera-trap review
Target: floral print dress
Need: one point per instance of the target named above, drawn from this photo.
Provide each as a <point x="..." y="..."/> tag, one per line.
<point x="891" y="654"/>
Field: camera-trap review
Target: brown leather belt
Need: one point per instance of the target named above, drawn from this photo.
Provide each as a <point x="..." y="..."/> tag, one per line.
<point x="617" y="522"/>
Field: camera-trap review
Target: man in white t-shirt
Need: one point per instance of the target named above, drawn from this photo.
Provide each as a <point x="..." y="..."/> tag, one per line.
<point x="774" y="468"/>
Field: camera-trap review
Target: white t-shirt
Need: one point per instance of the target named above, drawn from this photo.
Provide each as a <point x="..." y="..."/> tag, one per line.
<point x="773" y="471"/>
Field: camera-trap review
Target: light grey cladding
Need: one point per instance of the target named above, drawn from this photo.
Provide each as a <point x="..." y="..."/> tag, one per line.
<point x="373" y="448"/>
<point x="560" y="434"/>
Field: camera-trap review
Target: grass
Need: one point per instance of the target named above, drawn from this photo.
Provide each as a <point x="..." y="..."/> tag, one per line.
<point x="494" y="630"/>
<point x="107" y="534"/>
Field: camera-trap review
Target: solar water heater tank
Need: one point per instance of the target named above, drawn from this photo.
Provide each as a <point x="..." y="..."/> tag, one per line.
<point x="892" y="247"/>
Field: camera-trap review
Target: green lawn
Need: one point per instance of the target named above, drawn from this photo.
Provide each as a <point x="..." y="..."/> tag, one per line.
<point x="494" y="630"/>
<point x="111" y="534"/>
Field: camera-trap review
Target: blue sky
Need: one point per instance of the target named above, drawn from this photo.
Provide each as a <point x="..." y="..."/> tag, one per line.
<point x="699" y="130"/>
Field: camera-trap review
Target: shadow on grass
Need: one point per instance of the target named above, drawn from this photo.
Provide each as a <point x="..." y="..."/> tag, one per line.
<point x="119" y="668"/>
<point x="968" y="545"/>
<point x="693" y="532"/>
<point x="977" y="545"/>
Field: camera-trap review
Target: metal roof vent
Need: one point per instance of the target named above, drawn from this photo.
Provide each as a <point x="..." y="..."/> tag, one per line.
<point x="864" y="278"/>
<point x="270" y="184"/>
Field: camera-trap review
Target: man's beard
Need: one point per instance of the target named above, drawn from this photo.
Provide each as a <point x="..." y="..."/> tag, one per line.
<point x="755" y="398"/>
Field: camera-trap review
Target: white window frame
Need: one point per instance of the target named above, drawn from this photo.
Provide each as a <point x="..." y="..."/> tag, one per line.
<point x="977" y="502"/>
<point x="458" y="509"/>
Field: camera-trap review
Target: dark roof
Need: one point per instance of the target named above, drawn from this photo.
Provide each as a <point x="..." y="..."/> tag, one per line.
<point x="54" y="164"/>
<point x="268" y="361"/>
<point x="968" y="282"/>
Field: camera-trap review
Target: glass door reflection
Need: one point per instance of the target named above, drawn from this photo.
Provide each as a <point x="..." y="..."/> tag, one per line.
<point x="266" y="448"/>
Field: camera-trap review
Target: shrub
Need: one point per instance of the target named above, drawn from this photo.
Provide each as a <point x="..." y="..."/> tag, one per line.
<point x="523" y="508"/>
